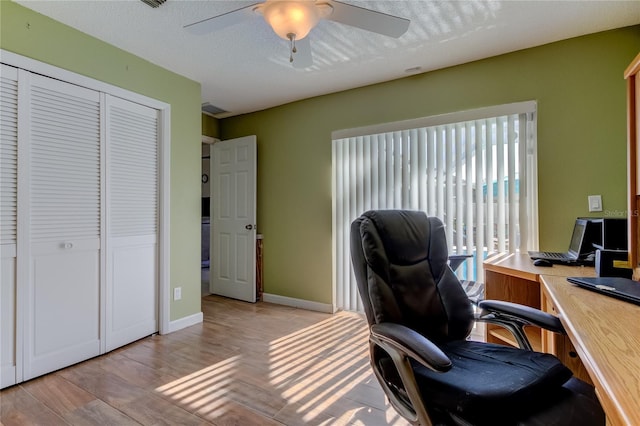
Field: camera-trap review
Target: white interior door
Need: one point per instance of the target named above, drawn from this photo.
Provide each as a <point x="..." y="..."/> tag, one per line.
<point x="132" y="222"/>
<point x="63" y="291"/>
<point x="233" y="219"/>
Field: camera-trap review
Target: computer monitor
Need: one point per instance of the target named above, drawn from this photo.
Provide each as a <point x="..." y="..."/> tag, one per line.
<point x="578" y="244"/>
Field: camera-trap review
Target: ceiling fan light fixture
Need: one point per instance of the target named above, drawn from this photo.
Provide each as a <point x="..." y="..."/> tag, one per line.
<point x="291" y="17"/>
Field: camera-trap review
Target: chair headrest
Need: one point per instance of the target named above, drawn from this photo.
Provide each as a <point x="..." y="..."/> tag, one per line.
<point x="409" y="236"/>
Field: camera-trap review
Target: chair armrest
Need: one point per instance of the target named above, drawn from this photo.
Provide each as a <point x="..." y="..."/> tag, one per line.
<point x="403" y="345"/>
<point x="528" y="314"/>
<point x="455" y="260"/>
<point x="412" y="344"/>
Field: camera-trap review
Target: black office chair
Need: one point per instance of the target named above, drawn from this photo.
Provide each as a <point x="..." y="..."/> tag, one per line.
<point x="420" y="319"/>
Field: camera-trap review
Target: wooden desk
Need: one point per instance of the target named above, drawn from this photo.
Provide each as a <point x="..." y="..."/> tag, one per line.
<point x="606" y="334"/>
<point x="514" y="278"/>
<point x="603" y="331"/>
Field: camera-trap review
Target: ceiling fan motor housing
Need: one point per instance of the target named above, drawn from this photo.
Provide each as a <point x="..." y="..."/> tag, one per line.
<point x="293" y="17"/>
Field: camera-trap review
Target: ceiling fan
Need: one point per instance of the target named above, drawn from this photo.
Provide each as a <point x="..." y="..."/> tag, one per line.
<point x="292" y="20"/>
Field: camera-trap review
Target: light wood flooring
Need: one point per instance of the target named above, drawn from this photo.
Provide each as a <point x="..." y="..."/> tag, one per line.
<point x="246" y="364"/>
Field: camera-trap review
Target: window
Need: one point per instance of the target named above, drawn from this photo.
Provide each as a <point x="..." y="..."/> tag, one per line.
<point x="475" y="170"/>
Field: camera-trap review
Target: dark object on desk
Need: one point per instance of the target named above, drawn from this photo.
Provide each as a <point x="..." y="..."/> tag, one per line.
<point x="608" y="233"/>
<point x="620" y="288"/>
<point x="606" y="263"/>
<point x="420" y="318"/>
<point x="542" y="262"/>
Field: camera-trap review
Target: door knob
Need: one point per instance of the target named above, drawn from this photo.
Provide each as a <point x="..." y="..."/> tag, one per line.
<point x="248" y="227"/>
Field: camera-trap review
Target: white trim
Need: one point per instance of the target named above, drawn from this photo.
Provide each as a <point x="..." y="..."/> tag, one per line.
<point x="298" y="303"/>
<point x="436" y="120"/>
<point x="209" y="140"/>
<point x="23" y="237"/>
<point x="105" y="214"/>
<point x="164" y="230"/>
<point x="184" y="322"/>
<point x="334" y="228"/>
<point x="62" y="74"/>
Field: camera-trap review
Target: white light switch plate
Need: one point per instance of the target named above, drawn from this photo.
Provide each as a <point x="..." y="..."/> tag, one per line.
<point x="595" y="203"/>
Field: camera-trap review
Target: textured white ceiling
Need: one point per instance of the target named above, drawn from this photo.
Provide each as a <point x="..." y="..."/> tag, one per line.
<point x="246" y="67"/>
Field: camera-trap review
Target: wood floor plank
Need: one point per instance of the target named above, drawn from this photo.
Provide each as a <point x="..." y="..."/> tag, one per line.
<point x="107" y="387"/>
<point x="18" y="407"/>
<point x="98" y="412"/>
<point x="58" y="394"/>
<point x="245" y="364"/>
<point x="134" y="372"/>
<point x="151" y="409"/>
<point x="297" y="415"/>
<point x="226" y="412"/>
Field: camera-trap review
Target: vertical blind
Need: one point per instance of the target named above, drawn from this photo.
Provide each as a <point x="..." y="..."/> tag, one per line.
<point x="478" y="176"/>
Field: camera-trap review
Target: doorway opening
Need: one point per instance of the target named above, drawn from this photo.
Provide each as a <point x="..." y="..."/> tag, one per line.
<point x="205" y="219"/>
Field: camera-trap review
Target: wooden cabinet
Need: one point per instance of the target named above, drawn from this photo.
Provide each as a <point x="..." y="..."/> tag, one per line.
<point x="605" y="332"/>
<point x="520" y="289"/>
<point x="560" y="345"/>
<point x="514" y="278"/>
<point x="632" y="75"/>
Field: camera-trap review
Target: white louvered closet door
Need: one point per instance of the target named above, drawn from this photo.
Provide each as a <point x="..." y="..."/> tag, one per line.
<point x="132" y="222"/>
<point x="8" y="221"/>
<point x="63" y="308"/>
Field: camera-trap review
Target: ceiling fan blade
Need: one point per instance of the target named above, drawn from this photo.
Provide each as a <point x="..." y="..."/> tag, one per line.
<point x="225" y="20"/>
<point x="367" y="19"/>
<point x="303" y="58"/>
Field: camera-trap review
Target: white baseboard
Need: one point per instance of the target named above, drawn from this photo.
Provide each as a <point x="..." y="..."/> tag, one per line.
<point x="298" y="303"/>
<point x="184" y="322"/>
<point x="194" y="319"/>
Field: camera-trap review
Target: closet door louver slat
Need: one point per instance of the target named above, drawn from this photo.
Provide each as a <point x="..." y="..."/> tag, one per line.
<point x="133" y="172"/>
<point x="8" y="158"/>
<point x="8" y="221"/>
<point x="61" y="169"/>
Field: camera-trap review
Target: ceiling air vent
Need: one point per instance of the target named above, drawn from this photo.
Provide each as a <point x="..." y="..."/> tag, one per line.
<point x="153" y="3"/>
<point x="212" y="109"/>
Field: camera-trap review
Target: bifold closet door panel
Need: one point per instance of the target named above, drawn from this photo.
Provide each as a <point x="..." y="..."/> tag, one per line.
<point x="8" y="323"/>
<point x="132" y="221"/>
<point x="8" y="221"/>
<point x="65" y="301"/>
<point x="62" y="324"/>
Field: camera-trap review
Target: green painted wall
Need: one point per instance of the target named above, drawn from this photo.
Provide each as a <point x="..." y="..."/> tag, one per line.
<point x="36" y="36"/>
<point x="581" y="97"/>
<point x="210" y="126"/>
